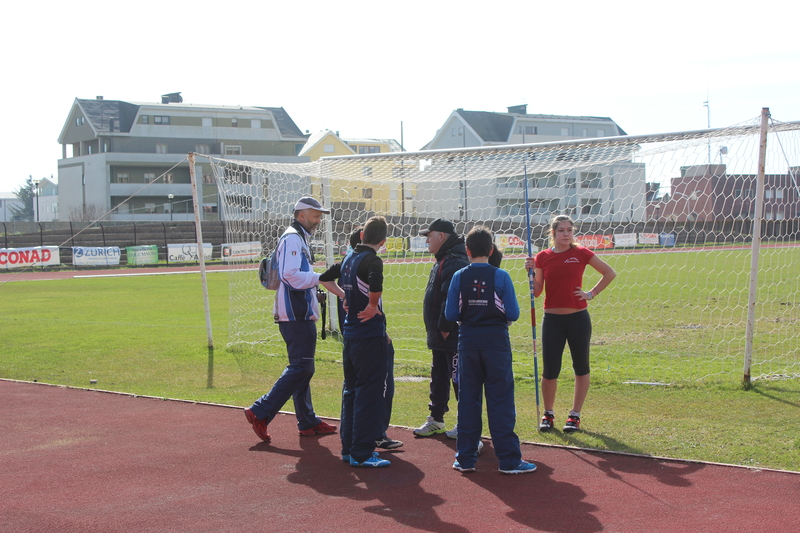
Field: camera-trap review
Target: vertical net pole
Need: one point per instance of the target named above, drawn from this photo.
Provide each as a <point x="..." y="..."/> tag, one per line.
<point x="326" y="197"/>
<point x="201" y="256"/>
<point x="755" y="248"/>
<point x="530" y="286"/>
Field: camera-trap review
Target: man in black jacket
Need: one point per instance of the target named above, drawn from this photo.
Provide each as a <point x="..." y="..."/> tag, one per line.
<point x="451" y="256"/>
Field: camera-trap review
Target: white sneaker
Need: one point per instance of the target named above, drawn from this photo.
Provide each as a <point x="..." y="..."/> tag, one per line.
<point x="480" y="446"/>
<point x="430" y="427"/>
<point x="452" y="433"/>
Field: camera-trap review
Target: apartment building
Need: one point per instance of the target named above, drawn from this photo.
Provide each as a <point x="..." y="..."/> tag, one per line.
<point x="125" y="161"/>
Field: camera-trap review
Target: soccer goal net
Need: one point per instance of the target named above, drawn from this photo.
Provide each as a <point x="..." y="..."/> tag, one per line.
<point x="696" y="298"/>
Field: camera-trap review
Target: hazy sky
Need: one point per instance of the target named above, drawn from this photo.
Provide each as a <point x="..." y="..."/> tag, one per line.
<point x="363" y="67"/>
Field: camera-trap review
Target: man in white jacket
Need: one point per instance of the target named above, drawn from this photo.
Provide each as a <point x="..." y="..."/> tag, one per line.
<point x="296" y="311"/>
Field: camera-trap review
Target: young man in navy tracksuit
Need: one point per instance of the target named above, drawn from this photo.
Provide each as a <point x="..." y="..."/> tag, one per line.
<point x="482" y="299"/>
<point x="366" y="351"/>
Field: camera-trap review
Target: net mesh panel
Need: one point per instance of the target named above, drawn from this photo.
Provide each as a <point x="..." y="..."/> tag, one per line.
<point x="672" y="214"/>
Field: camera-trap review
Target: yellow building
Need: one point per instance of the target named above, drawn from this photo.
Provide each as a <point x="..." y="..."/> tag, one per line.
<point x="359" y="185"/>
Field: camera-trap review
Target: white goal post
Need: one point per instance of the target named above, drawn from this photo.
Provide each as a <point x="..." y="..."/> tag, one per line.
<point x="674" y="214"/>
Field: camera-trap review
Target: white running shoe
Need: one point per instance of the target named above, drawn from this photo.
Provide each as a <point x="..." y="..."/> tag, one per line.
<point x="430" y="427"/>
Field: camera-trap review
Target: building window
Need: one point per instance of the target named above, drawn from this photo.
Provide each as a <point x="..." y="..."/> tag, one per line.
<point x="208" y="122"/>
<point x="209" y="209"/>
<point x="168" y="178"/>
<point x="366" y="171"/>
<point x="106" y="145"/>
<point x="202" y="149"/>
<point x="234" y="123"/>
<point x="233" y="150"/>
<point x="509" y="182"/>
<point x="161" y="120"/>
<point x="369" y="149"/>
<point x="149" y="177"/>
<point x="366" y="192"/>
<point x="565" y="132"/>
<point x="590" y="207"/>
<point x="208" y="178"/>
<point x="145" y="119"/>
<point x="543" y="206"/>
<point x="255" y="123"/>
<point x="80" y="121"/>
<point x="570" y="183"/>
<point x="328" y="148"/>
<point x="149" y="208"/>
<point x="123" y="177"/>
<point x="591" y="180"/>
<point x="507" y="207"/>
<point x="161" y="148"/>
<point x="544" y="180"/>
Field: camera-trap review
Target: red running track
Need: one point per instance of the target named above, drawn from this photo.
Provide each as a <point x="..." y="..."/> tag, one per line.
<point x="77" y="460"/>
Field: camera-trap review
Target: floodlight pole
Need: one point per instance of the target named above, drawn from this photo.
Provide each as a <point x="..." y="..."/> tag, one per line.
<point x="755" y="249"/>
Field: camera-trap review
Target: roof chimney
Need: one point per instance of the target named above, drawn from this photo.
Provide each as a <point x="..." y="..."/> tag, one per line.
<point x="519" y="109"/>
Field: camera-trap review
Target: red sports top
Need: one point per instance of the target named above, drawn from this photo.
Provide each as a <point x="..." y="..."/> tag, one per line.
<point x="563" y="274"/>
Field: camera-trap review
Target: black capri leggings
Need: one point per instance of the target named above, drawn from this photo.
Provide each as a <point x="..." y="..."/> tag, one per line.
<point x="557" y="330"/>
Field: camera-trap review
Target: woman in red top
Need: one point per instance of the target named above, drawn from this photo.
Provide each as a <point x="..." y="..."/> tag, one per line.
<point x="558" y="271"/>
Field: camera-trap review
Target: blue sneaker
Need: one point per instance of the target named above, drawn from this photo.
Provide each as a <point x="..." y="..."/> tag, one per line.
<point x="372" y="462"/>
<point x="521" y="468"/>
<point x="345" y="458"/>
<point x="457" y="466"/>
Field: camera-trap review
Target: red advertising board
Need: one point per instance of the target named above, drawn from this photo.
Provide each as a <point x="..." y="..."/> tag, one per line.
<point x="595" y="241"/>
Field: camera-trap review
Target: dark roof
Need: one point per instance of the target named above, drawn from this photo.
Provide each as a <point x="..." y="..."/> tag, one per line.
<point x="285" y="124"/>
<point x="100" y="113"/>
<point x="491" y="127"/>
<point x="496" y="127"/>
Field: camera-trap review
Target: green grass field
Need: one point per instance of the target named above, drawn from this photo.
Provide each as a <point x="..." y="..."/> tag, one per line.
<point x="146" y="335"/>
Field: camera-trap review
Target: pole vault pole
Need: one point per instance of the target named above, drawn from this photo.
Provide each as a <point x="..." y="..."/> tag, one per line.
<point x="530" y="286"/>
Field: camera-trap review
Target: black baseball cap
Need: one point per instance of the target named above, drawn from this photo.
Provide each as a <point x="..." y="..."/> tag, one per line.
<point x="440" y="224"/>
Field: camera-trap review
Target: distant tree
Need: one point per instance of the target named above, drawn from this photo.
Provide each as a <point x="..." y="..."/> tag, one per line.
<point x="89" y="213"/>
<point x="26" y="195"/>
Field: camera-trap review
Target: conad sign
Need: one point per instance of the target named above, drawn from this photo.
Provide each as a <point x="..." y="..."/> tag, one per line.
<point x="28" y="257"/>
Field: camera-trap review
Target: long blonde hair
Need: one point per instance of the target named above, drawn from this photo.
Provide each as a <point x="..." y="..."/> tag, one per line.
<point x="558" y="219"/>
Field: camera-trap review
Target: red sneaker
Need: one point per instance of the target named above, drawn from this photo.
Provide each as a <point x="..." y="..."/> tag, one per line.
<point x="547" y="422"/>
<point x="320" y="429"/>
<point x="259" y="426"/>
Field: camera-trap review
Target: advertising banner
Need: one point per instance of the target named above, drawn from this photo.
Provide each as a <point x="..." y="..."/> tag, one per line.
<point x="241" y="251"/>
<point x="667" y="239"/>
<point x="396" y="244"/>
<point x="95" y="255"/>
<point x="29" y="257"/>
<point x="648" y="238"/>
<point x="418" y="244"/>
<point x="511" y="242"/>
<point x="142" y="255"/>
<point x="595" y="241"/>
<point x="625" y="240"/>
<point x="187" y="253"/>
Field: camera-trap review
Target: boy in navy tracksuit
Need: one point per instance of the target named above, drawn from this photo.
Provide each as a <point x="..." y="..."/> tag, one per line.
<point x="365" y="354"/>
<point x="482" y="299"/>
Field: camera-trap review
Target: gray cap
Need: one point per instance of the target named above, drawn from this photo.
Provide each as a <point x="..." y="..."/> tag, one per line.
<point x="306" y="202"/>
